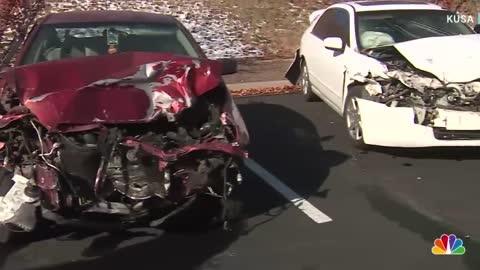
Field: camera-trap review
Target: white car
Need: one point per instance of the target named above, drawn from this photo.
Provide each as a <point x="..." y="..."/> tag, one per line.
<point x="402" y="74"/>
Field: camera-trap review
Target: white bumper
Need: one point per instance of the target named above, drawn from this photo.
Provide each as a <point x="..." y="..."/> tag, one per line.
<point x="395" y="127"/>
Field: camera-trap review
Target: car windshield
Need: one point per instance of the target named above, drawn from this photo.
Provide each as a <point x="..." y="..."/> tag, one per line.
<point x="55" y="42"/>
<point x="380" y="28"/>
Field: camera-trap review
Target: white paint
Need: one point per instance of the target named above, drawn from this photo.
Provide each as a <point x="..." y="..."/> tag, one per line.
<point x="428" y="54"/>
<point x="387" y="126"/>
<point x="301" y="203"/>
<point x="333" y="43"/>
<point x="399" y="6"/>
<point x="316" y="14"/>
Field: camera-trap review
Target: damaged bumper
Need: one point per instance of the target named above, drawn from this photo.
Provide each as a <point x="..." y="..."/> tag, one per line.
<point x="141" y="139"/>
<point x="396" y="127"/>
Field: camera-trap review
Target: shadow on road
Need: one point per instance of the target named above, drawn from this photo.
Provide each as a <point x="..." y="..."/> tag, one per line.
<point x="418" y="223"/>
<point x="283" y="142"/>
<point x="168" y="251"/>
<point x="183" y="251"/>
<point x="447" y="153"/>
<point x="288" y="145"/>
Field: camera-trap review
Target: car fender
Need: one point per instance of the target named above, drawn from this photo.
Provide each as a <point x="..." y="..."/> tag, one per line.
<point x="293" y="72"/>
<point x="357" y="70"/>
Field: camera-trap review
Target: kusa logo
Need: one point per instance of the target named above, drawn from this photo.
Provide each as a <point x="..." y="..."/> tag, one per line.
<point x="459" y="18"/>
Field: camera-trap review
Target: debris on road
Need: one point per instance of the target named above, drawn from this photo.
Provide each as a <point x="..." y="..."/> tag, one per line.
<point x="265" y="91"/>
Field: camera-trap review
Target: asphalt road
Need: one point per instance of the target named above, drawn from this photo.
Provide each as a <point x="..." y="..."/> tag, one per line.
<point x="387" y="207"/>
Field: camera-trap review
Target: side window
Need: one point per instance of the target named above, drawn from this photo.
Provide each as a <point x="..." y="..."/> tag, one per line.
<point x="334" y="22"/>
<point x="324" y="25"/>
<point x="342" y="23"/>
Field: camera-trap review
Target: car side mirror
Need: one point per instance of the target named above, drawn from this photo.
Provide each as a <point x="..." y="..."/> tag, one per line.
<point x="229" y="66"/>
<point x="477" y="28"/>
<point x="333" y="43"/>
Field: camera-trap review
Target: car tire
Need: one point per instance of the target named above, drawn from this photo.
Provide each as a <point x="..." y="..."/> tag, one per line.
<point x="352" y="117"/>
<point x="6" y="236"/>
<point x="304" y="84"/>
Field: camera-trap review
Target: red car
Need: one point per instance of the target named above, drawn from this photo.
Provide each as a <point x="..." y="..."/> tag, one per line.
<point x="113" y="119"/>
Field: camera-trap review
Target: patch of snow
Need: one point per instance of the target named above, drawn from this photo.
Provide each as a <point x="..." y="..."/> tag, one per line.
<point x="217" y="34"/>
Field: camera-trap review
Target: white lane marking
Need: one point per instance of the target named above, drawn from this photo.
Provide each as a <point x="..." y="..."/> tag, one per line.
<point x="297" y="200"/>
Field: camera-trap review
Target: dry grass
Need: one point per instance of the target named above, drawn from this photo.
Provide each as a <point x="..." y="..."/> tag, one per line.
<point x="277" y="25"/>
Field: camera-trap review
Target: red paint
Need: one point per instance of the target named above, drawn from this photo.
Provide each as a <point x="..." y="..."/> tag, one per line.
<point x="234" y="118"/>
<point x="109" y="16"/>
<point x="174" y="154"/>
<point x="5" y="120"/>
<point x="444" y="238"/>
<point x="64" y="92"/>
<point x="47" y="179"/>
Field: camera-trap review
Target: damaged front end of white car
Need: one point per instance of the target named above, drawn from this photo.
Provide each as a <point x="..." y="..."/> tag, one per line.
<point x="405" y="106"/>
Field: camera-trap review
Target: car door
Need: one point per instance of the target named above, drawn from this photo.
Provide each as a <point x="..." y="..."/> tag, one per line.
<point x="327" y="66"/>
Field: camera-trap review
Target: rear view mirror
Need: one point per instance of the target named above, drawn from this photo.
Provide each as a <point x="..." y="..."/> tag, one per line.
<point x="477" y="28"/>
<point x="229" y="65"/>
<point x="333" y="43"/>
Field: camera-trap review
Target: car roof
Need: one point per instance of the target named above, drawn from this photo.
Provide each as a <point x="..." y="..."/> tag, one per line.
<point x="361" y="6"/>
<point x="97" y="16"/>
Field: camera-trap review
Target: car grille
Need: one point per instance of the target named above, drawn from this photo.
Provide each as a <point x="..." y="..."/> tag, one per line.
<point x="444" y="134"/>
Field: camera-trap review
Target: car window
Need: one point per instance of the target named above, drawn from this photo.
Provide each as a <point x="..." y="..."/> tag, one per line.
<point x="380" y="28"/>
<point x="55" y="42"/>
<point x="324" y="24"/>
<point x="334" y="22"/>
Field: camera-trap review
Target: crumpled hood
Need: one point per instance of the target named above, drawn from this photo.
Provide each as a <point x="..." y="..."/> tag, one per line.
<point x="452" y="59"/>
<point x="120" y="88"/>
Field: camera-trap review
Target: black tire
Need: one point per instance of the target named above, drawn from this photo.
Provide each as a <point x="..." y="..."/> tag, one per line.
<point x="234" y="210"/>
<point x="352" y="118"/>
<point x="304" y="84"/>
<point x="6" y="236"/>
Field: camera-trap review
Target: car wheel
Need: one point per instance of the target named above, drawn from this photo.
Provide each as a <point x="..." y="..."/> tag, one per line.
<point x="353" y="120"/>
<point x="5" y="235"/>
<point x="9" y="236"/>
<point x="305" y="85"/>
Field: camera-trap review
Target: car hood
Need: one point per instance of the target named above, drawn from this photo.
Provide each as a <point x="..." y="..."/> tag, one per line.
<point x="121" y="88"/>
<point x="452" y="59"/>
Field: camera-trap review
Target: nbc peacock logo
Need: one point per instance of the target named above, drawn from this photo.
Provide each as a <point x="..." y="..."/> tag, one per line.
<point x="448" y="245"/>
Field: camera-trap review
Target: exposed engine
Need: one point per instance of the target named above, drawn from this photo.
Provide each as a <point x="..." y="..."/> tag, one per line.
<point x="128" y="171"/>
<point x="406" y="86"/>
<point x="145" y="139"/>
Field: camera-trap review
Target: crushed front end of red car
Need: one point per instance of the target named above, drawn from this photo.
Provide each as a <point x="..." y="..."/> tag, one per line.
<point x="125" y="135"/>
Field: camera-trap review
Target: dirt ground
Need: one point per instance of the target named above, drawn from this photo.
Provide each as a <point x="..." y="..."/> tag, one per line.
<point x="258" y="71"/>
<point x="277" y="25"/>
